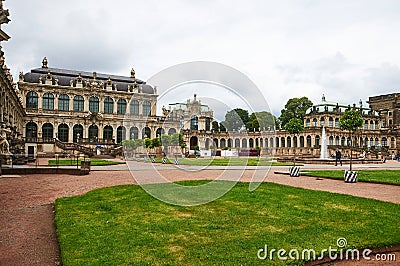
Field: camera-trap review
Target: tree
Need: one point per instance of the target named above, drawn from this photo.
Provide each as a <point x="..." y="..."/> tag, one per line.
<point x="351" y="121"/>
<point x="294" y="126"/>
<point x="261" y="120"/>
<point x="222" y="127"/>
<point x="236" y="119"/>
<point x="295" y="108"/>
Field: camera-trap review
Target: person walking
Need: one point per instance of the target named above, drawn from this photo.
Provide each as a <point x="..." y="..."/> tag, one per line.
<point x="338" y="157"/>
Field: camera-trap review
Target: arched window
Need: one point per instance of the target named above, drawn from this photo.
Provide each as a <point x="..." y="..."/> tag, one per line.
<point x="107" y="133"/>
<point x="301" y="141"/>
<point x="337" y="122"/>
<point x="392" y="143"/>
<point x="261" y="142"/>
<point x="384" y="142"/>
<point x="215" y="143"/>
<point x="108" y="105"/>
<point x="194" y="123"/>
<point x="237" y="143"/>
<point x="330" y="122"/>
<point x="283" y="142"/>
<point x="79" y="103"/>
<point x="134" y="107"/>
<point x="308" y="122"/>
<point x="308" y="141"/>
<point x="222" y="143"/>
<point x="371" y="124"/>
<point x="244" y="143"/>
<point x="331" y="140"/>
<point x="322" y="121"/>
<point x="208" y="123"/>
<point x="171" y="131"/>
<point x="160" y="131"/>
<point x="266" y="143"/>
<point x="94" y="104"/>
<point x="121" y="107"/>
<point x="376" y="125"/>
<point x="63" y="102"/>
<point x="277" y="142"/>
<point x="146" y="133"/>
<point x="229" y="143"/>
<point x="295" y="142"/>
<point x="93" y="133"/>
<point x="337" y="140"/>
<point x="317" y="141"/>
<point x="134" y="133"/>
<point x="31" y="130"/>
<point x="271" y="142"/>
<point x="32" y="100"/>
<point x="47" y="132"/>
<point x="315" y="122"/>
<point x="146" y="108"/>
<point x="63" y="131"/>
<point x="289" y="142"/>
<point x="121" y="134"/>
<point x="366" y="124"/>
<point x="251" y="143"/>
<point x="348" y="141"/>
<point x="77" y="133"/>
<point x="48" y="101"/>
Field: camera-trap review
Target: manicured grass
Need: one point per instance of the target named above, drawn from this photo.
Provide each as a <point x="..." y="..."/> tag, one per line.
<point x="123" y="225"/>
<point x="226" y="161"/>
<point x="94" y="162"/>
<point x="374" y="176"/>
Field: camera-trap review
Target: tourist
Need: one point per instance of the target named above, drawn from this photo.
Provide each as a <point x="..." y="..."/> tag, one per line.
<point x="393" y="156"/>
<point x="338" y="157"/>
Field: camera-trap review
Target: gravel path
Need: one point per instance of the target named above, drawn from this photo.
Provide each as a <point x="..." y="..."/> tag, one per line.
<point x="27" y="232"/>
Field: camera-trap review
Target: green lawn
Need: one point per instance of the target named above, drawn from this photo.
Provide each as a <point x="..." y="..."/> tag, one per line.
<point x="226" y="161"/>
<point x="123" y="225"/>
<point x="94" y="162"/>
<point x="373" y="176"/>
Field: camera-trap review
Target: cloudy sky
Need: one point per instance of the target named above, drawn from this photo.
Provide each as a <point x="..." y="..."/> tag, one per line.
<point x="346" y="50"/>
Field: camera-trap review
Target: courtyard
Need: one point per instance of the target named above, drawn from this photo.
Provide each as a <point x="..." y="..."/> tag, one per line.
<point x="28" y="234"/>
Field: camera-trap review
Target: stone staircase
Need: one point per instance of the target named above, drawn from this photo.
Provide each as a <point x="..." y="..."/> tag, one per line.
<point x="74" y="147"/>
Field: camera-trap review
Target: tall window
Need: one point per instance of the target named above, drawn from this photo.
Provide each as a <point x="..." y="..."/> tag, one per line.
<point x="63" y="132"/>
<point x="208" y="123"/>
<point x="134" y="133"/>
<point x="78" y="103"/>
<point x="108" y="133"/>
<point x="147" y="108"/>
<point x="63" y="102"/>
<point x="31" y="130"/>
<point x="134" y="107"/>
<point x="48" y="101"/>
<point x="121" y="134"/>
<point x="32" y="100"/>
<point x="94" y="104"/>
<point x="194" y="123"/>
<point x="330" y="122"/>
<point x="77" y="133"/>
<point x="93" y="133"/>
<point x="108" y="105"/>
<point x="121" y="107"/>
<point x="337" y="122"/>
<point x="47" y="131"/>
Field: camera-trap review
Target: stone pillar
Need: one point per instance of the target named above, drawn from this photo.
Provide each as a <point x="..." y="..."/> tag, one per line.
<point x="70" y="133"/>
<point x="140" y="107"/>
<point x="56" y="101"/>
<point x="86" y="104"/>
<point x="71" y="102"/>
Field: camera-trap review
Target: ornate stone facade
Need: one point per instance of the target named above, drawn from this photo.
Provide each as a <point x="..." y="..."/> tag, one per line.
<point x="11" y="111"/>
<point x="87" y="108"/>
